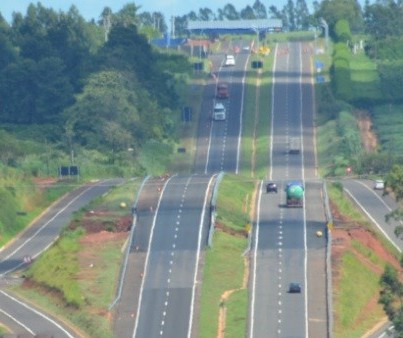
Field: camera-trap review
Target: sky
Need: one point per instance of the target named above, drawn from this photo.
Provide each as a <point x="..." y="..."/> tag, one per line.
<point x="91" y="9"/>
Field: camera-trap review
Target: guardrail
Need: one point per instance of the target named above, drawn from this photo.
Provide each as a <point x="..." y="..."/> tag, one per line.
<point x="213" y="205"/>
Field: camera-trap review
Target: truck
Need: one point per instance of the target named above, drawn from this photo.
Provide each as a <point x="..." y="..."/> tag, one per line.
<point x="294" y="145"/>
<point x="294" y="194"/>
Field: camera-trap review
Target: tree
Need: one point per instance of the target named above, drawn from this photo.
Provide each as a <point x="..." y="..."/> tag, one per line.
<point x="116" y="138"/>
<point x="126" y="50"/>
<point x="289" y="12"/>
<point x="54" y="90"/>
<point x="128" y="15"/>
<point x="106" y="21"/>
<point x="384" y="19"/>
<point x="302" y="16"/>
<point x="18" y="92"/>
<point x="247" y="13"/>
<point x="335" y="10"/>
<point x="275" y="13"/>
<point x="206" y="14"/>
<point x="391" y="298"/>
<point x="229" y="12"/>
<point x="342" y="31"/>
<point x="394" y="181"/>
<point x="259" y="9"/>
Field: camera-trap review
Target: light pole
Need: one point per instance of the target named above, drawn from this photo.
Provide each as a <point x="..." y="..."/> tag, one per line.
<point x="200" y="44"/>
<point x="257" y="31"/>
<point x="326" y="27"/>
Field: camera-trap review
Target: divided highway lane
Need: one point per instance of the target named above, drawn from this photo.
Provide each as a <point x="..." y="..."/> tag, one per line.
<point x="285" y="246"/>
<point x="280" y="243"/>
<point x="20" y="317"/>
<point x="218" y="144"/>
<point x="375" y="206"/>
<point x="178" y="233"/>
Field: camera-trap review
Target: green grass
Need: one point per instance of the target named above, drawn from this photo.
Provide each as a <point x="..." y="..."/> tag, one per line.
<point x="3" y="330"/>
<point x="223" y="271"/>
<point x="98" y="289"/>
<point x="338" y="144"/>
<point x="347" y="207"/>
<point x="365" y="78"/>
<point x="257" y="118"/>
<point x="358" y="286"/>
<point x="344" y="205"/>
<point x="237" y="314"/>
<point x="22" y="202"/>
<point x="224" y="264"/>
<point x="233" y="205"/>
<point x="83" y="277"/>
<point x="388" y="125"/>
<point x="368" y="253"/>
<point x="57" y="268"/>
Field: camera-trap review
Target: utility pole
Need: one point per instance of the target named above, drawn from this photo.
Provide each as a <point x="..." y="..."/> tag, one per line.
<point x="257" y="31"/>
<point x="173" y="26"/>
<point x="326" y="27"/>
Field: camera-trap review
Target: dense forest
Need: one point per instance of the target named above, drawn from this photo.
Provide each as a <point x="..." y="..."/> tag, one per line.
<point x="101" y="86"/>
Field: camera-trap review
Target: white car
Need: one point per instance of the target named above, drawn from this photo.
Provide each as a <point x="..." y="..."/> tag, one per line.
<point x="229" y="60"/>
<point x="219" y="112"/>
<point x="379" y="185"/>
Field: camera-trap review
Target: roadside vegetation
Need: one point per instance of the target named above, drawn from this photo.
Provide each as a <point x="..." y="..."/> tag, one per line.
<point x="118" y="113"/>
<point x="256" y="121"/>
<point x="22" y="200"/>
<point x="76" y="279"/>
<point x="224" y="295"/>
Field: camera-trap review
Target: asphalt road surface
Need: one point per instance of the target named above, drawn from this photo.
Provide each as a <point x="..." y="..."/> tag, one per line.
<point x="286" y="249"/>
<point x="218" y="145"/>
<point x="22" y="318"/>
<point x="159" y="297"/>
<point x="375" y="205"/>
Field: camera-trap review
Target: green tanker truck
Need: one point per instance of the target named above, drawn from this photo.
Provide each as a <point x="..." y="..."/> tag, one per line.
<point x="295" y="194"/>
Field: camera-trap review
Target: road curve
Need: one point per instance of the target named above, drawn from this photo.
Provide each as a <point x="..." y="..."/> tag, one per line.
<point x="375" y="206"/>
<point x="23" y="318"/>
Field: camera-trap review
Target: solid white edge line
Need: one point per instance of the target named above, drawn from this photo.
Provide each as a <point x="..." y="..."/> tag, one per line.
<point x="38" y="313"/>
<point x="39" y="230"/>
<point x="272" y="113"/>
<point x="238" y="155"/>
<point x="304" y="211"/>
<point x="26" y="328"/>
<point x="256" y="242"/>
<point x="377" y="196"/>
<point x="372" y="219"/>
<point x="148" y="255"/>
<point x="198" y="257"/>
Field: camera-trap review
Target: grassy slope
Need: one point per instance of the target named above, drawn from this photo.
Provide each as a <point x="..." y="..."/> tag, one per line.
<point x="224" y="265"/>
<point x="357" y="281"/>
<point x="90" y="290"/>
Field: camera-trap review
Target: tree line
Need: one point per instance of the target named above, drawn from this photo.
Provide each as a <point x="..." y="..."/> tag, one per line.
<point x="102" y="89"/>
<point x="100" y="83"/>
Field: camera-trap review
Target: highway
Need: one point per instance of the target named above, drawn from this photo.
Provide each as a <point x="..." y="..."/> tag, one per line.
<point x="375" y="206"/>
<point x="22" y="318"/>
<point x="178" y="233"/>
<point x="284" y="240"/>
<point x="172" y="220"/>
<point x="218" y="144"/>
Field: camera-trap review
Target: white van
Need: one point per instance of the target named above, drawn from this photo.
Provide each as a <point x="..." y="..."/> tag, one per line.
<point x="219" y="112"/>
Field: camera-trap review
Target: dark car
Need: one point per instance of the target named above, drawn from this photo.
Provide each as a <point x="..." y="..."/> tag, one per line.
<point x="271" y="187"/>
<point x="294" y="288"/>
